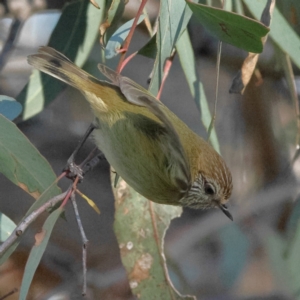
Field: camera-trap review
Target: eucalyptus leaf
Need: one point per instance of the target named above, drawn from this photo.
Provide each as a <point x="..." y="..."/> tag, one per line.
<point x="117" y="39"/>
<point x="231" y="28"/>
<point x="21" y="162"/>
<point x="7" y="226"/>
<point x="114" y="10"/>
<point x="37" y="251"/>
<point x="188" y="63"/>
<point x="140" y="227"/>
<point x="74" y="35"/>
<point x="9" y="107"/>
<point x="149" y="50"/>
<point x="174" y="16"/>
<point x="281" y="31"/>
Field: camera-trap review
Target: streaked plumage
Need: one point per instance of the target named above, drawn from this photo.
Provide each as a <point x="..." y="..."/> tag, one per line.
<point x="148" y="145"/>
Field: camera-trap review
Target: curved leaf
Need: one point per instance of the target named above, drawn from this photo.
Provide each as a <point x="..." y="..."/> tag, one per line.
<point x="9" y="107"/>
<point x="188" y="63"/>
<point x="281" y="31"/>
<point x="74" y="35"/>
<point x="173" y="18"/>
<point x="7" y="226"/>
<point x="21" y="162"/>
<point x="140" y="227"/>
<point x="37" y="251"/>
<point x="230" y="27"/>
<point x="117" y="39"/>
<point x="115" y="9"/>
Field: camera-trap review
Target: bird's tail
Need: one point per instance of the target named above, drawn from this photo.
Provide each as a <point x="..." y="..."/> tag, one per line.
<point x="57" y="65"/>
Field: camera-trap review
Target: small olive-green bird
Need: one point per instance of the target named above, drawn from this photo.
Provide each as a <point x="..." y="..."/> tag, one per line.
<point x="147" y="145"/>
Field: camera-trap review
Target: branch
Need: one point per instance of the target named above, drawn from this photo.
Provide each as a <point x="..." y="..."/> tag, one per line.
<point x="19" y="230"/>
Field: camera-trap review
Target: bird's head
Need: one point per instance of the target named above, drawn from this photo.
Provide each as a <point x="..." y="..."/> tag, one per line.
<point x="211" y="187"/>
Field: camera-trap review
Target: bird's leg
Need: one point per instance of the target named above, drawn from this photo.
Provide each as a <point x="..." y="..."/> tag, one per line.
<point x="91" y="161"/>
<point x="71" y="168"/>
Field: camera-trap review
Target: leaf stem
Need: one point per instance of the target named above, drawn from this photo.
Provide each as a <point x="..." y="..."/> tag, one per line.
<point x="130" y="35"/>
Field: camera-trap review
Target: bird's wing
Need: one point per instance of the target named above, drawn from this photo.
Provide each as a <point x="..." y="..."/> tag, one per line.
<point x="137" y="95"/>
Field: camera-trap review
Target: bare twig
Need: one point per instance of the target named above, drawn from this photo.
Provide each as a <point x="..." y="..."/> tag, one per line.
<point x="19" y="230"/>
<point x="127" y="60"/>
<point x="84" y="242"/>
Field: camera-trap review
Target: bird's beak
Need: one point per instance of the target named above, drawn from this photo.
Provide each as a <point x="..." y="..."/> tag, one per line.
<point x="224" y="209"/>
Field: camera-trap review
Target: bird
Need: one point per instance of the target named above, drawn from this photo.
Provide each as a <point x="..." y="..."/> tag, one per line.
<point x="148" y="146"/>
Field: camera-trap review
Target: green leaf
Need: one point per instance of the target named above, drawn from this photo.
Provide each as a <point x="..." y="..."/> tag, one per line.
<point x="9" y="107"/>
<point x="231" y="28"/>
<point x="49" y="193"/>
<point x="74" y="35"/>
<point x="188" y="63"/>
<point x="173" y="18"/>
<point x="21" y="162"/>
<point x="37" y="252"/>
<point x="117" y="39"/>
<point x="149" y="50"/>
<point x="140" y="227"/>
<point x="7" y="226"/>
<point x="113" y="14"/>
<point x="281" y="32"/>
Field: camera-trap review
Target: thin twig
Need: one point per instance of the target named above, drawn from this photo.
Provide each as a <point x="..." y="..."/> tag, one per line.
<point x="19" y="230"/>
<point x="126" y="61"/>
<point x="84" y="242"/>
<point x="130" y="35"/>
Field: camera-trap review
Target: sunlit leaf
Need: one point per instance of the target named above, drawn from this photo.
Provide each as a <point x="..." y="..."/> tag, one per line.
<point x="9" y="107"/>
<point x="230" y="27"/>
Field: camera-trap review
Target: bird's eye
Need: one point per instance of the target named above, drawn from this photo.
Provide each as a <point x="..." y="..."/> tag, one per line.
<point x="209" y="189"/>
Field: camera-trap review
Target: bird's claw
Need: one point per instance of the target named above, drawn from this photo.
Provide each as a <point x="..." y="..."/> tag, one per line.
<point x="73" y="171"/>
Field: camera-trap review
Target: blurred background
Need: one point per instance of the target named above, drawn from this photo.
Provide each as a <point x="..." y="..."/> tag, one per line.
<point x="207" y="255"/>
